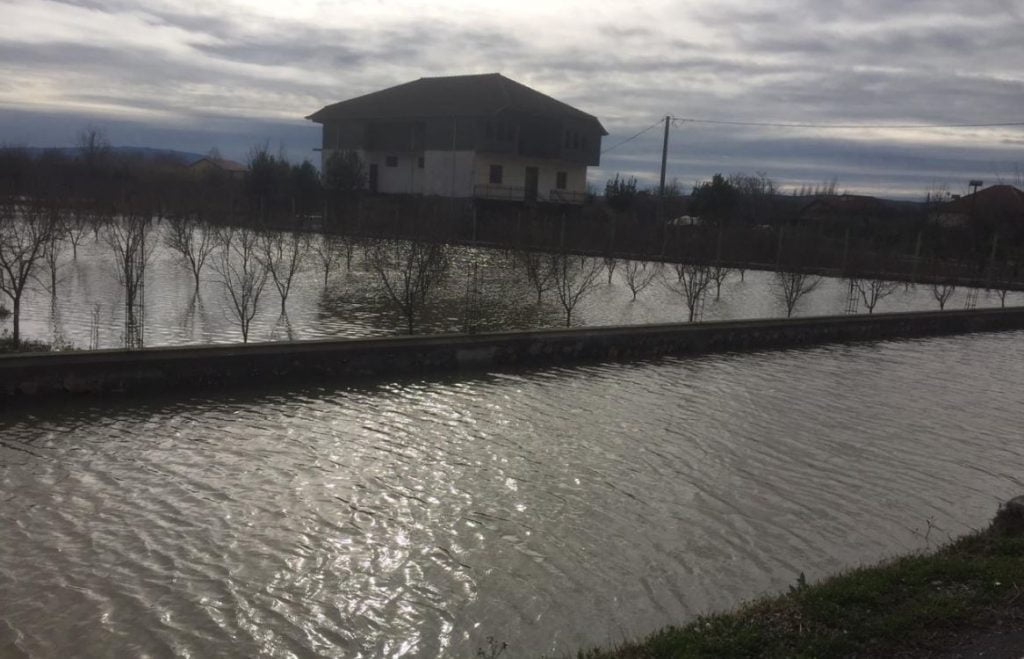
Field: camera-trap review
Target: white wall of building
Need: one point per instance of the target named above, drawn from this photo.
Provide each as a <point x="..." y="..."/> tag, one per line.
<point x="514" y="173"/>
<point x="406" y="177"/>
<point x="457" y="174"/>
<point x="449" y="173"/>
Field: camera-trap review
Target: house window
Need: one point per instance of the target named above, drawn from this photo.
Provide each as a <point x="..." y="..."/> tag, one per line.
<point x="391" y="161"/>
<point x="419" y="162"/>
<point x="575" y="140"/>
<point x="568" y="139"/>
<point x="496" y="174"/>
<point x="560" y="180"/>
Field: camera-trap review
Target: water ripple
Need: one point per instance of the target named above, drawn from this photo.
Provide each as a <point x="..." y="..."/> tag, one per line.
<point x="551" y="509"/>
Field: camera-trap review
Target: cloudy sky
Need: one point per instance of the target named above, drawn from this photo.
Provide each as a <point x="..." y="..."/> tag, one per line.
<point x="233" y="73"/>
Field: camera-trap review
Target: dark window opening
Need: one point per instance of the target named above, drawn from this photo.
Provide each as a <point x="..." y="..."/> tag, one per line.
<point x="575" y="140"/>
<point x="496" y="174"/>
<point x="568" y="139"/>
<point x="561" y="180"/>
<point x="391" y="161"/>
<point x="419" y="162"/>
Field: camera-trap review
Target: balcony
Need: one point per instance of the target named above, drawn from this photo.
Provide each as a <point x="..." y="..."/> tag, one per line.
<point x="500" y="192"/>
<point x="518" y="193"/>
<point x="566" y="197"/>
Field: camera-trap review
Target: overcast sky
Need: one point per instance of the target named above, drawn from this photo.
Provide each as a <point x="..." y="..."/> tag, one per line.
<point x="230" y="74"/>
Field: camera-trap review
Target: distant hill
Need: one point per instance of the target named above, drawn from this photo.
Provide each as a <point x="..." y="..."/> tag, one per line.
<point x="145" y="152"/>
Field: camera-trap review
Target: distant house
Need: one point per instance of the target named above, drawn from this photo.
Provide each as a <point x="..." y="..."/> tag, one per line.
<point x="481" y="136"/>
<point x="230" y="167"/>
<point x="854" y="210"/>
<point x="1000" y="207"/>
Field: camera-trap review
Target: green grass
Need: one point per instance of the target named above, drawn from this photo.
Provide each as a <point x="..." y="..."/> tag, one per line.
<point x="911" y="604"/>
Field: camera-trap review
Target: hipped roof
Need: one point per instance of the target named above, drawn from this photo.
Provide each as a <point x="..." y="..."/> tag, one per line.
<point x="453" y="96"/>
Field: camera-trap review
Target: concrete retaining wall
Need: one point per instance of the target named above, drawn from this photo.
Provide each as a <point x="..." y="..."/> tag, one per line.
<point x="215" y="366"/>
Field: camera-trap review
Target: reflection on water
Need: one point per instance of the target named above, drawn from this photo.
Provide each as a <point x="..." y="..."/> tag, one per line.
<point x="90" y="303"/>
<point x="551" y="509"/>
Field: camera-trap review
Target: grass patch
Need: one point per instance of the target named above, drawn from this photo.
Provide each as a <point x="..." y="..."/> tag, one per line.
<point x="918" y="603"/>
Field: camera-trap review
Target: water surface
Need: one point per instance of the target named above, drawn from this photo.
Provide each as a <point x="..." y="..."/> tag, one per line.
<point x="551" y="509"/>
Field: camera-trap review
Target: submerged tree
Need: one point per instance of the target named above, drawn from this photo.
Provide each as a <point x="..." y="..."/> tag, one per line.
<point x="329" y="250"/>
<point x="573" y="278"/>
<point x="538" y="269"/>
<point x="873" y="291"/>
<point x="942" y="290"/>
<point x="609" y="263"/>
<point x="25" y="231"/>
<point x="194" y="242"/>
<point x="718" y="275"/>
<point x="284" y="256"/>
<point x="792" y="286"/>
<point x="640" y="275"/>
<point x="127" y="234"/>
<point x="242" y="274"/>
<point x="692" y="282"/>
<point x="409" y="272"/>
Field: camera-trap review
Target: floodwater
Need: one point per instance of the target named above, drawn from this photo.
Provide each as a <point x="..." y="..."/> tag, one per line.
<point x="88" y="310"/>
<point x="547" y="509"/>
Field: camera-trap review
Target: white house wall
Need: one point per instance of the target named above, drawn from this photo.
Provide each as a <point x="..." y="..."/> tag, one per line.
<point x="514" y="173"/>
<point x="458" y="173"/>
<point x="449" y="173"/>
<point x="404" y="178"/>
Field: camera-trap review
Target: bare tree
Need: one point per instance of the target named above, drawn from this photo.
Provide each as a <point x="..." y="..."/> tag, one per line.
<point x="93" y="145"/>
<point x="25" y="232"/>
<point x="791" y="287"/>
<point x="692" y="282"/>
<point x="640" y="275"/>
<point x="718" y="275"/>
<point x="329" y="249"/>
<point x="242" y="274"/>
<point x="409" y="271"/>
<point x="873" y="291"/>
<point x="284" y="256"/>
<point x="128" y="235"/>
<point x="942" y="290"/>
<point x="77" y="226"/>
<point x="610" y="262"/>
<point x="538" y="270"/>
<point x="573" y="278"/>
<point x="193" y="241"/>
<point x="54" y="249"/>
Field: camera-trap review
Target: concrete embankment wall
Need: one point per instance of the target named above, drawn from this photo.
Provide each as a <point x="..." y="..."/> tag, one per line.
<point x="192" y="368"/>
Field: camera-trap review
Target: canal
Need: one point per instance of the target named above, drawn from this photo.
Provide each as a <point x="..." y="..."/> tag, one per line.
<point x="549" y="509"/>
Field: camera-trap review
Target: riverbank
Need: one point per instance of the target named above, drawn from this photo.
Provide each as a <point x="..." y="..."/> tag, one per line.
<point x="198" y="367"/>
<point x="963" y="600"/>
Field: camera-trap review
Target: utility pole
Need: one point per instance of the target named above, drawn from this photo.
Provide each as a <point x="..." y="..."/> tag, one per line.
<point x="664" y="158"/>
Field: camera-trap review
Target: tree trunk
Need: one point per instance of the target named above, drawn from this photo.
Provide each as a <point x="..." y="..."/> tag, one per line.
<point x="16" y="322"/>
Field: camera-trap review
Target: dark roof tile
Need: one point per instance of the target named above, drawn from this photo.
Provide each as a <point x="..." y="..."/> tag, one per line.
<point x="466" y="95"/>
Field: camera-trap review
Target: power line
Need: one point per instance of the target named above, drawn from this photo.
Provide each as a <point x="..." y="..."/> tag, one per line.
<point x="781" y="124"/>
<point x="630" y="139"/>
<point x="778" y="124"/>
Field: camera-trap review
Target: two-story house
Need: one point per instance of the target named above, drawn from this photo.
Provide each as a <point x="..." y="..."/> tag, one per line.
<point x="481" y="136"/>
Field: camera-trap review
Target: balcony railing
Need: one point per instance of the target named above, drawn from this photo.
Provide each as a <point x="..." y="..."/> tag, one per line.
<point x="503" y="192"/>
<point x="567" y="197"/>
<point x="515" y="193"/>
